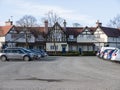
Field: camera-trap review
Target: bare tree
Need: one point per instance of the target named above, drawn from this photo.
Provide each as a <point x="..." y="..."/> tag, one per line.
<point x="27" y="21"/>
<point x="76" y="24"/>
<point x="52" y="18"/>
<point x="115" y="22"/>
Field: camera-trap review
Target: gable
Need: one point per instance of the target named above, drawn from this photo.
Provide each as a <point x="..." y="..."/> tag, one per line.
<point x="56" y="33"/>
<point x="86" y="31"/>
<point x="56" y="30"/>
<point x="99" y="31"/>
<point x="57" y="27"/>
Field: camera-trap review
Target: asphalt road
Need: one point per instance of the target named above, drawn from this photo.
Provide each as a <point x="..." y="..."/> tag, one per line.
<point x="60" y="73"/>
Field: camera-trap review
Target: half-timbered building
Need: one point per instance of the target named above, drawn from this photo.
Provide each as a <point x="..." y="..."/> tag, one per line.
<point x="58" y="38"/>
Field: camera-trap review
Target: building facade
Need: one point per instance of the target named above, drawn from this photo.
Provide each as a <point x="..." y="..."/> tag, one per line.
<point x="59" y="39"/>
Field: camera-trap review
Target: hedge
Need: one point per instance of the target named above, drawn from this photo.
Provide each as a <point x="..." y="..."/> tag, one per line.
<point x="88" y="53"/>
<point x="73" y="53"/>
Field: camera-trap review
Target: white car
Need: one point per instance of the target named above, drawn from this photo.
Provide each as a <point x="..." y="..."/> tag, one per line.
<point x="116" y="55"/>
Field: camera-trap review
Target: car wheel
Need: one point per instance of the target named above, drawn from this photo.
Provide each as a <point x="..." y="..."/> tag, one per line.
<point x="3" y="58"/>
<point x="26" y="58"/>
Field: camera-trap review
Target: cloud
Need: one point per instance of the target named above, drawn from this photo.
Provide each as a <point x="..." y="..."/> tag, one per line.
<point x="37" y="9"/>
<point x="24" y="7"/>
<point x="71" y="15"/>
<point x="79" y="18"/>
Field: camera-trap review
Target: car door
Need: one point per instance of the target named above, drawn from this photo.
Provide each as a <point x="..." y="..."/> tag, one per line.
<point x="13" y="54"/>
<point x="9" y="54"/>
<point x="20" y="54"/>
<point x="17" y="54"/>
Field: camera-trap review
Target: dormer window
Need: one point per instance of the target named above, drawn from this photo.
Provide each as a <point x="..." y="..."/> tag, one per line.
<point x="71" y="36"/>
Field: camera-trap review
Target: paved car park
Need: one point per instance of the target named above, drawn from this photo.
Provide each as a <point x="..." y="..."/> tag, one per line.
<point x="60" y="73"/>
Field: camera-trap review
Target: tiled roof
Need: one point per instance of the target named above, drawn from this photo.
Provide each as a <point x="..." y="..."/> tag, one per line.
<point x="111" y="32"/>
<point x="4" y="30"/>
<point x="77" y="30"/>
<point x="40" y="30"/>
<point x="92" y="29"/>
<point x="73" y="31"/>
<point x="37" y="30"/>
<point x="34" y="30"/>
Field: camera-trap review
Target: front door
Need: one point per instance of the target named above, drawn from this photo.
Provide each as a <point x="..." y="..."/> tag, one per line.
<point x="80" y="51"/>
<point x="63" y="49"/>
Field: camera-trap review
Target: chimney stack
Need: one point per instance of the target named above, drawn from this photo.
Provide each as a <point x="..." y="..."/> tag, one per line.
<point x="64" y="23"/>
<point x="9" y="23"/>
<point x="98" y="24"/>
<point x="46" y="26"/>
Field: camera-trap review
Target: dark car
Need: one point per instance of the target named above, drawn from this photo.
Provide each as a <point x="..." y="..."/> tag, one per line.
<point x="41" y="52"/>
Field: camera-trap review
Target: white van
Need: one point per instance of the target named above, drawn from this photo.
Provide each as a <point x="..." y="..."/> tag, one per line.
<point x="103" y="49"/>
<point x="116" y="55"/>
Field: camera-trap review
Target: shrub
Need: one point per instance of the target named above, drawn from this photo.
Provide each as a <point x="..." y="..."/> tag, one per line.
<point x="88" y="53"/>
<point x="70" y="53"/>
<point x="73" y="53"/>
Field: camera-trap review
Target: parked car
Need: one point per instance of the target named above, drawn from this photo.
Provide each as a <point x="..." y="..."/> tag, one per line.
<point x="101" y="52"/>
<point x="110" y="54"/>
<point x="104" y="53"/>
<point x="116" y="55"/>
<point x="107" y="53"/>
<point x="8" y="54"/>
<point x="37" y="53"/>
<point x="41" y="51"/>
<point x="25" y="50"/>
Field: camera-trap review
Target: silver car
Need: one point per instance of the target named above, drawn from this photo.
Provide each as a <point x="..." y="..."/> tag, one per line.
<point x="15" y="54"/>
<point x="25" y="50"/>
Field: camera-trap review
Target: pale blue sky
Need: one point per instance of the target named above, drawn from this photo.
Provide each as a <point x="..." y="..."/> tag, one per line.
<point x="85" y="12"/>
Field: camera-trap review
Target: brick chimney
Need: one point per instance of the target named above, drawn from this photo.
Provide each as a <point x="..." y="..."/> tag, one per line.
<point x="98" y="24"/>
<point x="46" y="26"/>
<point x="9" y="23"/>
<point x="64" y="23"/>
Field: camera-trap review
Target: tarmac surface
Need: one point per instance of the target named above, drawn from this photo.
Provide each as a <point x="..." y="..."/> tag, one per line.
<point x="60" y="73"/>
